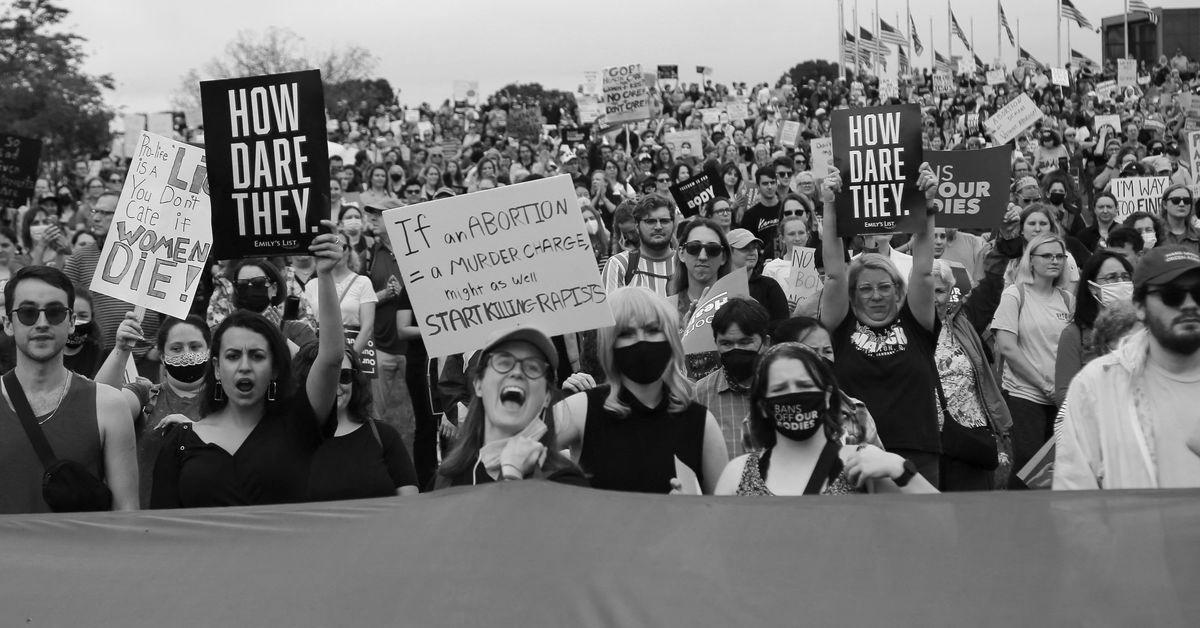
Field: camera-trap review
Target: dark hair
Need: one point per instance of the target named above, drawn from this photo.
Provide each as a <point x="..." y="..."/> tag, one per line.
<point x="346" y="208"/>
<point x="680" y="281"/>
<point x="783" y="161"/>
<point x="11" y="235"/>
<point x="361" y="400"/>
<point x="281" y="360"/>
<point x="675" y="171"/>
<point x="45" y="274"/>
<point x="711" y="206"/>
<point x="794" y="328"/>
<point x="751" y="318"/>
<point x="270" y="270"/>
<point x="649" y="203"/>
<point x="1159" y="227"/>
<point x="1086" y="307"/>
<point x="762" y="428"/>
<point x="169" y="323"/>
<point x="27" y="221"/>
<point x="1120" y="236"/>
<point x="736" y="171"/>
<point x="758" y="174"/>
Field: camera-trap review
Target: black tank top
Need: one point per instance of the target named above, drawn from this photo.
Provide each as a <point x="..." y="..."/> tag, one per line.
<point x="637" y="452"/>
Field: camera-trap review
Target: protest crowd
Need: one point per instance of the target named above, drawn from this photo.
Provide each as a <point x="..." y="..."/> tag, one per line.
<point x="761" y="343"/>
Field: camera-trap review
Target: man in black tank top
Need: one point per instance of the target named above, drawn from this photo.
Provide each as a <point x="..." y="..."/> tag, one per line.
<point x="82" y="421"/>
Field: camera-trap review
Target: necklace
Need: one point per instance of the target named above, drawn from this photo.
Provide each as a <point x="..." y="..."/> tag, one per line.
<point x="61" y="396"/>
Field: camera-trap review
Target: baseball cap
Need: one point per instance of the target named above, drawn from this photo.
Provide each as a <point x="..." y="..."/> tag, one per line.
<point x="741" y="238"/>
<point x="531" y="335"/>
<point x="1162" y="264"/>
<point x="1025" y="182"/>
<point x="378" y="206"/>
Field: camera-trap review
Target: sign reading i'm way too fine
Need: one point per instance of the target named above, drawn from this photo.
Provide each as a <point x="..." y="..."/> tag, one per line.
<point x="503" y="258"/>
<point x="268" y="162"/>
<point x="157" y="247"/>
<point x="878" y="151"/>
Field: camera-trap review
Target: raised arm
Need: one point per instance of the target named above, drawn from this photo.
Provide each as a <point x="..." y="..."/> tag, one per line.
<point x="920" y="279"/>
<point x="321" y="386"/>
<point x="112" y="372"/>
<point x="835" y="297"/>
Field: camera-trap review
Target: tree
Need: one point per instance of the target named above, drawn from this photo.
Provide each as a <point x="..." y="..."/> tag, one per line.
<point x="811" y="69"/>
<point x="551" y="101"/>
<point x="353" y="95"/>
<point x="273" y="51"/>
<point x="44" y="92"/>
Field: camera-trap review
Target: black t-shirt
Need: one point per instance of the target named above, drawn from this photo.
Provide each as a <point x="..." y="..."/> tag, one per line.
<point x="86" y="362"/>
<point x="380" y="266"/>
<point x="356" y="466"/>
<point x="892" y="371"/>
<point x="762" y="221"/>
<point x="416" y="346"/>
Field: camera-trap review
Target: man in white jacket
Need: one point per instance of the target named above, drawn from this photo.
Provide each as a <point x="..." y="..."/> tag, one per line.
<point x="1132" y="418"/>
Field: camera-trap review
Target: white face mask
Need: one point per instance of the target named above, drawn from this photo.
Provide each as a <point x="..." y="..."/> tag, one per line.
<point x="593" y="227"/>
<point x="1149" y="238"/>
<point x="37" y="232"/>
<point x="1110" y="293"/>
<point x="352" y="225"/>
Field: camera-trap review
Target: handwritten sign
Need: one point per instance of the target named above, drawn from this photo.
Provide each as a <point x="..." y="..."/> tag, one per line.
<point x="693" y="194"/>
<point x="697" y="335"/>
<point x="498" y="259"/>
<point x="1112" y="121"/>
<point x="626" y="98"/>
<point x="789" y="133"/>
<point x="1193" y="144"/>
<point x="1019" y="114"/>
<point x="822" y="155"/>
<point x="18" y="167"/>
<point x="737" y="108"/>
<point x="1138" y="194"/>
<point x="888" y="87"/>
<point x="591" y="83"/>
<point x="1059" y="76"/>
<point x="268" y="162"/>
<point x="590" y="109"/>
<point x="158" y="245"/>
<point x="995" y="77"/>
<point x="878" y="151"/>
<point x="972" y="186"/>
<point x="684" y="143"/>
<point x="802" y="284"/>
<point x="943" y="83"/>
<point x="1126" y="72"/>
<point x="710" y="115"/>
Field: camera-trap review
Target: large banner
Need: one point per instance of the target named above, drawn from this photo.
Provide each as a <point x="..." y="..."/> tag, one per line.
<point x="972" y="186"/>
<point x="268" y="162"/>
<point x="498" y="259"/>
<point x="693" y="194"/>
<point x="1019" y="114"/>
<point x="18" y="168"/>
<point x="158" y="245"/>
<point x="626" y="98"/>
<point x="878" y="151"/>
<point x="1138" y="194"/>
<point x="698" y="335"/>
<point x="685" y="143"/>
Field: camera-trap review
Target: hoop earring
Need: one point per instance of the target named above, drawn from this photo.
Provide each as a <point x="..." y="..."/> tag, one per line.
<point x="218" y="393"/>
<point x="271" y="391"/>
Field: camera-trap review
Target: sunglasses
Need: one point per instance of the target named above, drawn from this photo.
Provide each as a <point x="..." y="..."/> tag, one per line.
<point x="1173" y="295"/>
<point x="29" y="314"/>
<point x="533" y="368"/>
<point x="783" y="174"/>
<point x="346" y="376"/>
<point x="663" y="180"/>
<point x="255" y="282"/>
<point x="711" y="249"/>
<point x="413" y="191"/>
<point x="1179" y="200"/>
<point x="793" y="212"/>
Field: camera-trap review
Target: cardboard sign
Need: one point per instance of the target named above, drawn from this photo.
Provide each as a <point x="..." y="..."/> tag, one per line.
<point x="965" y="65"/>
<point x="668" y="71"/>
<point x="822" y="156"/>
<point x="1126" y="72"/>
<point x="996" y="77"/>
<point x="19" y="158"/>
<point x="803" y="283"/>
<point x="1138" y="194"/>
<point x="943" y="83"/>
<point x="268" y="162"/>
<point x="1112" y="121"/>
<point x="693" y="194"/>
<point x="878" y="151"/>
<point x="590" y="109"/>
<point x="1193" y="145"/>
<point x="626" y="98"/>
<point x="1019" y="114"/>
<point x="737" y="109"/>
<point x="685" y="143"/>
<point x="710" y="115"/>
<point x="697" y="335"/>
<point x="158" y="245"/>
<point x="466" y="92"/>
<point x="498" y="259"/>
<point x="1059" y="76"/>
<point x="972" y="186"/>
<point x="591" y="83"/>
<point x="888" y="88"/>
<point x="789" y="133"/>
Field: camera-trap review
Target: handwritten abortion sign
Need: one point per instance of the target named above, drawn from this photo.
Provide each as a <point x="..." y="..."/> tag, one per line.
<point x="802" y="284"/>
<point x="158" y="245"/>
<point x="1126" y="72"/>
<point x="498" y="259"/>
<point x="943" y="83"/>
<point x="822" y="156"/>
<point x="1019" y="114"/>
<point x="684" y="143"/>
<point x="268" y="162"/>
<point x="1138" y="194"/>
<point x="626" y="98"/>
<point x="878" y="151"/>
<point x="693" y="194"/>
<point x="18" y="167"/>
<point x="698" y="336"/>
<point x="1060" y="77"/>
<point x="972" y="188"/>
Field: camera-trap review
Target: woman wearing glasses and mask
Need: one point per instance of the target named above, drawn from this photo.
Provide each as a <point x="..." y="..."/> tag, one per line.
<point x="1106" y="280"/>
<point x="1028" y="324"/>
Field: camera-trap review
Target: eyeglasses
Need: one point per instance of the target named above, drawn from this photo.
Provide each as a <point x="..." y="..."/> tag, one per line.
<point x="1173" y="295"/>
<point x="884" y="289"/>
<point x="723" y="210"/>
<point x="1179" y="200"/>
<point x="793" y="212"/>
<point x="663" y="180"/>
<point x="533" y="368"/>
<point x="1114" y="278"/>
<point x="29" y="314"/>
<point x="346" y="376"/>
<point x="711" y="249"/>
<point x="657" y="222"/>
<point x="1051" y="257"/>
<point x="253" y="282"/>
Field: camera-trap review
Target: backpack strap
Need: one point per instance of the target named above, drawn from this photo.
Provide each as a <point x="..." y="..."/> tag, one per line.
<point x="635" y="257"/>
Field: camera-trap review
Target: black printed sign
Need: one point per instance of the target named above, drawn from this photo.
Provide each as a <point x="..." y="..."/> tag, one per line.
<point x="268" y="162"/>
<point x="693" y="194"/>
<point x="668" y="71"/>
<point x="972" y="186"/>
<point x="18" y="167"/>
<point x="878" y="151"/>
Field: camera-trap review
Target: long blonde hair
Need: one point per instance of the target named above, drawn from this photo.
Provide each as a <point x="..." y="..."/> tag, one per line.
<point x="635" y="306"/>
<point x="1024" y="272"/>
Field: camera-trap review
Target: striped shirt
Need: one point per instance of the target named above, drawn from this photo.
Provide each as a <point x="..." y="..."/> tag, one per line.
<point x="728" y="407"/>
<point x="106" y="311"/>
<point x="653" y="274"/>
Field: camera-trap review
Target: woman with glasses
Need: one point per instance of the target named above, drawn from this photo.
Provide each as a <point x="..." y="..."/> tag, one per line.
<point x="1028" y="324"/>
<point x="704" y="257"/>
<point x="1179" y="217"/>
<point x="644" y="430"/>
<point x="1038" y="219"/>
<point x="509" y="431"/>
<point x="719" y="210"/>
<point x="1106" y="281"/>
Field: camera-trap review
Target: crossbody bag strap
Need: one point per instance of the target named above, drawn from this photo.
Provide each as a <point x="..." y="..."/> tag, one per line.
<point x="34" y="431"/>
<point x="374" y="431"/>
<point x="829" y="464"/>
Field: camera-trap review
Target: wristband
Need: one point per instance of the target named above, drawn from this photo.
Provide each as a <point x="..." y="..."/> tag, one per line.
<point x="516" y="475"/>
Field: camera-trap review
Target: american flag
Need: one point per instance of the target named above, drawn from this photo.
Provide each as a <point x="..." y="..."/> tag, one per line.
<point x="978" y="61"/>
<point x="1004" y="23"/>
<point x="903" y="61"/>
<point x="912" y="27"/>
<point x="1026" y="60"/>
<point x="1140" y="5"/>
<point x="864" y="55"/>
<point x="940" y="64"/>
<point x="1071" y="13"/>
<point x="870" y="43"/>
<point x="957" y="30"/>
<point x="891" y="35"/>
<point x="1080" y="59"/>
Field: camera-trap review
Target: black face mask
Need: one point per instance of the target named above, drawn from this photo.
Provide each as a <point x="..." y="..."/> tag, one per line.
<point x="797" y="416"/>
<point x="80" y="335"/>
<point x="253" y="297"/>
<point x="397" y="177"/>
<point x="739" y="363"/>
<point x="1057" y="198"/>
<point x="643" y="362"/>
<point x="186" y="367"/>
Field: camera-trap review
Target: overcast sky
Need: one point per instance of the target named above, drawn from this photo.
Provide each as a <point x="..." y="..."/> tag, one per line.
<point x="423" y="46"/>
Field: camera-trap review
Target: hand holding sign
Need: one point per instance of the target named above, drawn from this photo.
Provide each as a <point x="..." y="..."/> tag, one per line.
<point x="327" y="248"/>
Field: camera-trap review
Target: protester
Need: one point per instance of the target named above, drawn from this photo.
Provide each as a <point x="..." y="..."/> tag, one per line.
<point x="746" y="254"/>
<point x="652" y="265"/>
<point x="740" y="329"/>
<point x="762" y="217"/>
<point x="1179" y="218"/>
<point x="1106" y="281"/>
<point x="719" y="210"/>
<point x="1105" y="209"/>
<point x="356" y="299"/>
<point x="81" y="354"/>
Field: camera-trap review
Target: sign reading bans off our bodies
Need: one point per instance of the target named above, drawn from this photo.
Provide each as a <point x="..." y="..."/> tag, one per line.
<point x="878" y="151"/>
<point x="503" y="258"/>
<point x="158" y="245"/>
<point x="972" y="186"/>
<point x="268" y="162"/>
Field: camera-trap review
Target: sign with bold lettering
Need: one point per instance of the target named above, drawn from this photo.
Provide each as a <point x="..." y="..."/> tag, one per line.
<point x="698" y="336"/>
<point x="803" y="284"/>
<point x="684" y="143"/>
<point x="158" y="245"/>
<point x="18" y="168"/>
<point x="1138" y="194"/>
<point x="1019" y="114"/>
<point x="498" y="259"/>
<point x="626" y="98"/>
<point x="268" y="162"/>
<point x="693" y="194"/>
<point x="1126" y="72"/>
<point x="972" y="186"/>
<point x="878" y="151"/>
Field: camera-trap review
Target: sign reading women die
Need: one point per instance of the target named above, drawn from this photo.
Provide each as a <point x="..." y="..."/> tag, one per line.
<point x="507" y="257"/>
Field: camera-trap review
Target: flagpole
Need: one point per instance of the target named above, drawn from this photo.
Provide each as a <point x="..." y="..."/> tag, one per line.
<point x="932" y="48"/>
<point x="878" y="44"/>
<point x="1058" y="32"/>
<point x="1018" y="39"/>
<point x="841" y="51"/>
<point x="908" y="18"/>
<point x="949" y="33"/>
<point x="1068" y="46"/>
<point x="1126" y="37"/>
<point x="857" y="45"/>
<point x="998" y="50"/>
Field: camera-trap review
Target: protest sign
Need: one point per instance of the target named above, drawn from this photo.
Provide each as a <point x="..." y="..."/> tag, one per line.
<point x="591" y="83"/>
<point x="965" y="65"/>
<point x="668" y="71"/>
<point x="18" y="168"/>
<point x="1019" y="114"/>
<point x="710" y="115"/>
<point x="1059" y="76"/>
<point x="995" y="77"/>
<point x="497" y="259"/>
<point x="888" y="87"/>
<point x="972" y="186"/>
<point x="626" y="98"/>
<point x="158" y="245"/>
<point x="802" y="285"/>
<point x="368" y="359"/>
<point x="737" y="108"/>
<point x="943" y="83"/>
<point x="1138" y="194"/>
<point x="878" y="151"/>
<point x="684" y="143"/>
<point x="466" y="92"/>
<point x="698" y="336"/>
<point x="590" y="109"/>
<point x="789" y="133"/>
<point x="1193" y="146"/>
<point x="822" y="156"/>
<point x="691" y="195"/>
<point x="412" y="116"/>
<point x="268" y="162"/>
<point x="1112" y="121"/>
<point x="134" y="125"/>
<point x="1126" y="72"/>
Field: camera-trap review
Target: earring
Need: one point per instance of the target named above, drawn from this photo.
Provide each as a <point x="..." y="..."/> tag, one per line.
<point x="218" y="392"/>
<point x="271" y="391"/>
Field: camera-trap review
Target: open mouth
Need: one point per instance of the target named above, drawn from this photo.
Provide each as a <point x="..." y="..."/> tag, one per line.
<point x="512" y="397"/>
<point x="244" y="385"/>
